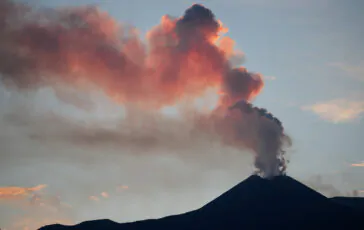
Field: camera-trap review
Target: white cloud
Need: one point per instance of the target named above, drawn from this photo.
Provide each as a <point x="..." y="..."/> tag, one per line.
<point x="338" y="111"/>
<point x="269" y="78"/>
<point x="355" y="71"/>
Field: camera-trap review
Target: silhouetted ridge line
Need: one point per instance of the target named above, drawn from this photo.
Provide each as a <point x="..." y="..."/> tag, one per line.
<point x="256" y="203"/>
<point x="355" y="202"/>
<point x="244" y="192"/>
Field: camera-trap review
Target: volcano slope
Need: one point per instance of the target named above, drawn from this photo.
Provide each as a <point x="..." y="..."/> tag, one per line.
<point x="256" y="203"/>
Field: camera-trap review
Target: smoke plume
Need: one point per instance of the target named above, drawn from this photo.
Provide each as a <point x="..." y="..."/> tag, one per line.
<point x="86" y="49"/>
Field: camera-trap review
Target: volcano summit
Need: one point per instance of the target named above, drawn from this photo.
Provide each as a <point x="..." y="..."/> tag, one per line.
<point x="256" y="203"/>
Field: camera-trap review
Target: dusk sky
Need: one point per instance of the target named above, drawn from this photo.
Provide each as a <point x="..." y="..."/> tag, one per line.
<point x="311" y="54"/>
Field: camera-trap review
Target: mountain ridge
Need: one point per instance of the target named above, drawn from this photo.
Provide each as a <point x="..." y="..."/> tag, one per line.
<point x="255" y="203"/>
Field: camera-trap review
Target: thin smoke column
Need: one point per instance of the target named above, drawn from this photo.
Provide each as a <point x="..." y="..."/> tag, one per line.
<point x="85" y="48"/>
<point x="264" y="134"/>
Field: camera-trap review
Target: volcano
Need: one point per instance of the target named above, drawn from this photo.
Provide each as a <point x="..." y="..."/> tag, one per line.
<point x="256" y="203"/>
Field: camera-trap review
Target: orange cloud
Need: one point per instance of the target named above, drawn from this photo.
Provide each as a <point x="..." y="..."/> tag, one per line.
<point x="358" y="164"/>
<point x="18" y="192"/>
<point x="122" y="188"/>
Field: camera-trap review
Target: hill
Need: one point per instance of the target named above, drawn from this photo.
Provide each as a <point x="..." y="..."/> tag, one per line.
<point x="256" y="203"/>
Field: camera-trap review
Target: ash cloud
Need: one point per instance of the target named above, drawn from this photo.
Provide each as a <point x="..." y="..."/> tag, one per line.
<point x="85" y="49"/>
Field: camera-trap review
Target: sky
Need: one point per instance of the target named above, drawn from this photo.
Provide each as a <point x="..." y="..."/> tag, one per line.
<point x="311" y="55"/>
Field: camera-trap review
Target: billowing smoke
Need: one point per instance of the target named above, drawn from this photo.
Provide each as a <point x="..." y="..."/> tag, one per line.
<point x="264" y="134"/>
<point x="84" y="48"/>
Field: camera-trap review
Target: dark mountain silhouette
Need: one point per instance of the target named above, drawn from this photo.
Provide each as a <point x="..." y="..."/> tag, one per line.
<point x="354" y="202"/>
<point x="256" y="203"/>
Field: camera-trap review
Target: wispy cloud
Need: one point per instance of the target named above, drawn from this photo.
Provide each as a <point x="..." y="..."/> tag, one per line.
<point x="355" y="71"/>
<point x="337" y="111"/>
<point x="18" y="192"/>
<point x="280" y="3"/>
<point x="270" y="78"/>
<point x="358" y="164"/>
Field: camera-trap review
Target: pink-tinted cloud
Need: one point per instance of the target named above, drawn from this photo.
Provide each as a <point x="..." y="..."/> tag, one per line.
<point x="358" y="164"/>
<point x="338" y="110"/>
<point x="105" y="194"/>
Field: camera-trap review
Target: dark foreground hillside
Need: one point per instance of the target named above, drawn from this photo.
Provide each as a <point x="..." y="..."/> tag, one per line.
<point x="256" y="203"/>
